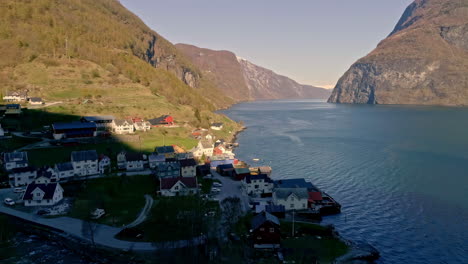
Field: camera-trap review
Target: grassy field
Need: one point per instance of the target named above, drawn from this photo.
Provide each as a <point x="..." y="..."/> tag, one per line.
<point x="179" y="218"/>
<point x="15" y="143"/>
<point x="121" y="197"/>
<point x="312" y="243"/>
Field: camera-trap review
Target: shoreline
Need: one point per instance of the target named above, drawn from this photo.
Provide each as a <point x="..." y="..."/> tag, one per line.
<point x="358" y="252"/>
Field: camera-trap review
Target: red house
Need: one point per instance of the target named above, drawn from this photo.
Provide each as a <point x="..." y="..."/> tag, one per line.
<point x="165" y="120"/>
<point x="266" y="231"/>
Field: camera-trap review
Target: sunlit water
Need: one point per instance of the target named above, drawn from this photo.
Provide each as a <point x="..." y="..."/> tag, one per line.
<point x="400" y="172"/>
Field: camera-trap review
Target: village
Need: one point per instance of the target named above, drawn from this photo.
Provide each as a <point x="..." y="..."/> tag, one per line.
<point x="228" y="189"/>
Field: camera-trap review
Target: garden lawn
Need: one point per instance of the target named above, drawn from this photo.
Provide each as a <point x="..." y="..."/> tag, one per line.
<point x="121" y="197"/>
<point x="179" y="218"/>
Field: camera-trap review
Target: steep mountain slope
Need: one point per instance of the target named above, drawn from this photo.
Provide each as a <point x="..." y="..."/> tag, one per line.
<point x="245" y="81"/>
<point x="219" y="66"/>
<point x="423" y="61"/>
<point x="106" y="34"/>
<point x="265" y="84"/>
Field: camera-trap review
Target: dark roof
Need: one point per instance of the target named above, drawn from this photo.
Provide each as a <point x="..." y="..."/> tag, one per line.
<point x="84" y="155"/>
<point x="134" y="156"/>
<point x="73" y="125"/>
<point x="66" y="166"/>
<point x="225" y="166"/>
<point x="271" y="208"/>
<point x="242" y="170"/>
<point x="263" y="217"/>
<point x="159" y="120"/>
<point x="189" y="182"/>
<point x="121" y="122"/>
<point x="13" y="106"/>
<point x="23" y="169"/>
<point x="35" y="99"/>
<point x="16" y="156"/>
<point x="98" y="118"/>
<point x="48" y="189"/>
<point x="187" y="163"/>
<point x="44" y="172"/>
<point x="284" y="193"/>
<point x="264" y="177"/>
<point x="165" y="149"/>
<point x="165" y="166"/>
<point x="295" y="183"/>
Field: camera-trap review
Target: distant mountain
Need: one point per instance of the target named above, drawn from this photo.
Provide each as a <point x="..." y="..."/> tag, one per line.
<point x="245" y="81"/>
<point x="423" y="61"/>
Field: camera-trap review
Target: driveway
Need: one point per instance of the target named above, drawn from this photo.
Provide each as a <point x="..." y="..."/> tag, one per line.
<point x="144" y="212"/>
<point x="232" y="188"/>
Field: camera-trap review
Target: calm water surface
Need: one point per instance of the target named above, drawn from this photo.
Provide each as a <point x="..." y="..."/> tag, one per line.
<point x="401" y="173"/>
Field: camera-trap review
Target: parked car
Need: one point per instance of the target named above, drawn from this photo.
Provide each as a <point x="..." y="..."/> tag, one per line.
<point x="98" y="213"/>
<point x="217" y="184"/>
<point x="9" y="201"/>
<point x="215" y="190"/>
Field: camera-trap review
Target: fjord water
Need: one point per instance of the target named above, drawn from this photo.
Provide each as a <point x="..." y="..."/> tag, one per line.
<point x="400" y="172"/>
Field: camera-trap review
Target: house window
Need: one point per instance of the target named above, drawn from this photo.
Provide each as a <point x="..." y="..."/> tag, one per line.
<point x="303" y="205"/>
<point x="176" y="188"/>
<point x="272" y="230"/>
<point x="292" y="205"/>
<point x="256" y="186"/>
<point x="38" y="194"/>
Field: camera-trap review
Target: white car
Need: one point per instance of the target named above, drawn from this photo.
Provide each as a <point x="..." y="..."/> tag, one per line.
<point x="18" y="190"/>
<point x="9" y="201"/>
<point x="217" y="184"/>
<point x="98" y="213"/>
<point x="215" y="190"/>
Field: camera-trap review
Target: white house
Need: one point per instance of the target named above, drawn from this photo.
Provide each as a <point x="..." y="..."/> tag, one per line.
<point x="188" y="168"/>
<point x="38" y="194"/>
<point x="135" y="161"/>
<point x="104" y="164"/>
<point x="46" y="175"/>
<point x="291" y="198"/>
<point x="16" y="96"/>
<point x="258" y="184"/>
<point x="155" y="159"/>
<point x="22" y="176"/>
<point x="204" y="147"/>
<point x="15" y="159"/>
<point x="85" y="162"/>
<point x="35" y="101"/>
<point x="180" y="186"/>
<point x="123" y="126"/>
<point x="217" y="126"/>
<point x="65" y="170"/>
<point x="142" y="125"/>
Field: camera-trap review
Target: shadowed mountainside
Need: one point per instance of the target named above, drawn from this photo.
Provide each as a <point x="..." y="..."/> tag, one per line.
<point x="423" y="61"/>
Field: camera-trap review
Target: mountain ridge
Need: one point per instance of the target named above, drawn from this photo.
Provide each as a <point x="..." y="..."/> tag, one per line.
<point x="424" y="60"/>
<point x="247" y="81"/>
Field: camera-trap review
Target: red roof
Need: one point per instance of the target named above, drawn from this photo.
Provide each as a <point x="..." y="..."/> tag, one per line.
<point x="168" y="183"/>
<point x="315" y="196"/>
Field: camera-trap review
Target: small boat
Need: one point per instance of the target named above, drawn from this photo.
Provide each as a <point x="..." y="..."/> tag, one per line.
<point x="256" y="159"/>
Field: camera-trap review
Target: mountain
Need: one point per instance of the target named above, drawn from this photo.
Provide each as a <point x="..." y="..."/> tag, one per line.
<point x="70" y="49"/>
<point x="245" y="81"/>
<point x="423" y="61"/>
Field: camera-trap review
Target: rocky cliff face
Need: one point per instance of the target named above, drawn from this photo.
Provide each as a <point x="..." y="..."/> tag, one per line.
<point x="423" y="61"/>
<point x="245" y="81"/>
<point x="264" y="84"/>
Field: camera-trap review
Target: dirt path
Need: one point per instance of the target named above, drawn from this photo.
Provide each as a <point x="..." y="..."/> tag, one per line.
<point x="144" y="212"/>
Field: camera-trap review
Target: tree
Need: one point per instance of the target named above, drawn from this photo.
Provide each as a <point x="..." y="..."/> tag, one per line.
<point x="197" y="115"/>
<point x="232" y="211"/>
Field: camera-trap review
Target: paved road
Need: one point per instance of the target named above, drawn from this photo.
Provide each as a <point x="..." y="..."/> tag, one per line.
<point x="144" y="212"/>
<point x="232" y="188"/>
<point x="104" y="234"/>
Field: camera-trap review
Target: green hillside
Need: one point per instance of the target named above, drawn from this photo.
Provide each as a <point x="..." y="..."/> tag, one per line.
<point x="73" y="50"/>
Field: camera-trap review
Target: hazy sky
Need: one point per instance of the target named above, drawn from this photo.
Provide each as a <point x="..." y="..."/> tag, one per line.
<point x="311" y="41"/>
